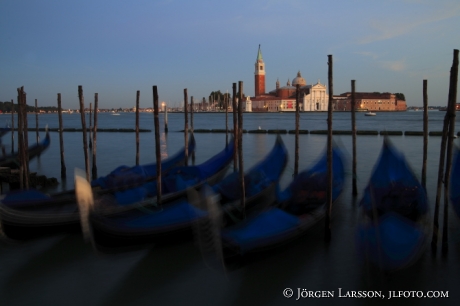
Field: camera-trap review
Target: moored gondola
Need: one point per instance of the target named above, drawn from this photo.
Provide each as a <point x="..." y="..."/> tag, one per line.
<point x="31" y="213"/>
<point x="454" y="187"/>
<point x="12" y="160"/>
<point x="174" y="222"/>
<point x="395" y="209"/>
<point x="298" y="208"/>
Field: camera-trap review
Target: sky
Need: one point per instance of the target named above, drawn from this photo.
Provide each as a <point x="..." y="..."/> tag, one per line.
<point x="116" y="47"/>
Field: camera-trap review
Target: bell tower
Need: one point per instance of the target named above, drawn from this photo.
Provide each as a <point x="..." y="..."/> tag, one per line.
<point x="259" y="75"/>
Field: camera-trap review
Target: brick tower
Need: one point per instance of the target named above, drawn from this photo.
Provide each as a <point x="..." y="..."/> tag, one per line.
<point x="259" y="75"/>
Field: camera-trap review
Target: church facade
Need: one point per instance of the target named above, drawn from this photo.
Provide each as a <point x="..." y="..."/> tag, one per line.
<point x="312" y="97"/>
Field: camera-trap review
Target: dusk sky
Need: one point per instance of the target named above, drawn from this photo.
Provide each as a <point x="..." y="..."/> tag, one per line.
<point x="117" y="47"/>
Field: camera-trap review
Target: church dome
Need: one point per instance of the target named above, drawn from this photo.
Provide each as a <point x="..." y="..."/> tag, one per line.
<point x="299" y="80"/>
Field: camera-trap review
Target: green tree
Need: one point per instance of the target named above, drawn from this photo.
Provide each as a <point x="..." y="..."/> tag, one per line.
<point x="400" y="96"/>
<point x="220" y="98"/>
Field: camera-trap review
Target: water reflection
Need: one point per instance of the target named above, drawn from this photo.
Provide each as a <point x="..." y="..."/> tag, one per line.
<point x="176" y="275"/>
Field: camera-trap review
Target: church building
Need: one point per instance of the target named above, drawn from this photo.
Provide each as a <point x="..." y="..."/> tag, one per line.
<point x="312" y="97"/>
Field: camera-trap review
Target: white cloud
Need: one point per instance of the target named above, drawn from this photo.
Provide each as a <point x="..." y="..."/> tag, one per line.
<point x="368" y="54"/>
<point x="394" y="65"/>
<point x="384" y="30"/>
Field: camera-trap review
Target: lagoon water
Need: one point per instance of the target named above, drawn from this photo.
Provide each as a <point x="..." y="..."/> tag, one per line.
<point x="63" y="270"/>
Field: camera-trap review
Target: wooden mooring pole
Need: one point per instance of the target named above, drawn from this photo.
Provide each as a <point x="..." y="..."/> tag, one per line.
<point x="157" y="141"/>
<point x="83" y="125"/>
<point x="329" y="153"/>
<point x="90" y="125"/>
<point x="96" y="107"/>
<point x="442" y="155"/>
<point x="354" y="191"/>
<point x="138" y="93"/>
<point x="425" y="131"/>
<point x="297" y="120"/>
<point x="20" y="140"/>
<point x="36" y="122"/>
<point x="191" y="126"/>
<point x="12" y="126"/>
<point x="451" y="110"/>
<point x="186" y="125"/>
<point x="61" y="139"/>
<point x="240" y="146"/>
<point x="235" y="129"/>
<point x="226" y="119"/>
<point x="166" y="118"/>
<point x="26" y="139"/>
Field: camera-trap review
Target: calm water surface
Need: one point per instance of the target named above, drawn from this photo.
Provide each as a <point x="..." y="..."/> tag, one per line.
<point x="63" y="270"/>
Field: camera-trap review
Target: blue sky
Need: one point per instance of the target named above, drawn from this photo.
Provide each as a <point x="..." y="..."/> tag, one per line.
<point x="117" y="47"/>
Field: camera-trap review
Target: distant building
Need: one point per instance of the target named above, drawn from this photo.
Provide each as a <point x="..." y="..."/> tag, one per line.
<point x="283" y="99"/>
<point x="369" y="101"/>
<point x="313" y="97"/>
<point x="248" y="105"/>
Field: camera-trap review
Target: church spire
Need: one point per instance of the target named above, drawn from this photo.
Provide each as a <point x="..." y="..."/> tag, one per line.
<point x="259" y="75"/>
<point x="259" y="55"/>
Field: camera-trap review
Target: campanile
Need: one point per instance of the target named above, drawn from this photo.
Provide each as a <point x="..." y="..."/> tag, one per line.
<point x="259" y="75"/>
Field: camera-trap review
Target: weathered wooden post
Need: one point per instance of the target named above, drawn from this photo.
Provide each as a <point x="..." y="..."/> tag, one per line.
<point x="36" y="121"/>
<point x="20" y="140"/>
<point x="94" y="169"/>
<point x="425" y="131"/>
<point x="191" y="113"/>
<point x="240" y="146"/>
<point x="191" y="126"/>
<point x="157" y="141"/>
<point x="12" y="126"/>
<point x="329" y="153"/>
<point x="26" y="139"/>
<point x="442" y="157"/>
<point x="451" y="112"/>
<point x="353" y="137"/>
<point x="166" y="118"/>
<point x="138" y="93"/>
<point x="186" y="125"/>
<point x="235" y="129"/>
<point x="226" y="119"/>
<point x="297" y="119"/>
<point x="90" y="125"/>
<point x="83" y="125"/>
<point x="61" y="139"/>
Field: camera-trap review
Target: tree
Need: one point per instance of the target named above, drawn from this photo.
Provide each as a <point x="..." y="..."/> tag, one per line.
<point x="6" y="107"/>
<point x="400" y="96"/>
<point x="219" y="97"/>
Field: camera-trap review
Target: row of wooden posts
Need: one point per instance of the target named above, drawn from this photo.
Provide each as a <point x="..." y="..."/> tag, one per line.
<point x="445" y="160"/>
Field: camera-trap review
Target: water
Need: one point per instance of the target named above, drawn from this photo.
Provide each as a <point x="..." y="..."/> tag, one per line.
<point x="63" y="270"/>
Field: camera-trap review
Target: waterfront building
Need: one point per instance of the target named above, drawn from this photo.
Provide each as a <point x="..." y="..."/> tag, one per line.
<point x="314" y="97"/>
<point x="248" y="105"/>
<point x="369" y="101"/>
<point x="283" y="99"/>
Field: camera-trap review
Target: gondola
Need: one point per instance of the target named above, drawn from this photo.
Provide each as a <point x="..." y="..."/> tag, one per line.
<point x="395" y="209"/>
<point x="174" y="222"/>
<point x="298" y="208"/>
<point x="31" y="213"/>
<point x="174" y="184"/>
<point x="131" y="176"/>
<point x="12" y="160"/>
<point x="454" y="187"/>
<point x="4" y="130"/>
